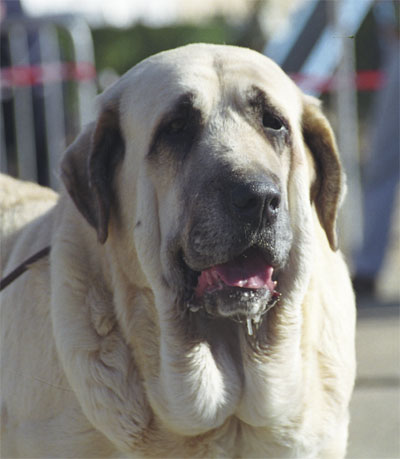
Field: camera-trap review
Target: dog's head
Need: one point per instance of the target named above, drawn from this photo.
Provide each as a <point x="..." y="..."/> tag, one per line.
<point x="192" y="162"/>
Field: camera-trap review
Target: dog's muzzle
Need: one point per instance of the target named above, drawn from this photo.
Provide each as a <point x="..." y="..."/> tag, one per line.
<point x="235" y="260"/>
<point x="242" y="289"/>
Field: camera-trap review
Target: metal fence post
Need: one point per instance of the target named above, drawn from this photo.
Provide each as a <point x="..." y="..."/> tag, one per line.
<point x="53" y="80"/>
<point x="81" y="38"/>
<point x="23" y="106"/>
<point x="53" y="98"/>
<point x="347" y="127"/>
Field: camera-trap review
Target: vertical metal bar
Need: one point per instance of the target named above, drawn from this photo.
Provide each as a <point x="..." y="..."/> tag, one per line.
<point x="23" y="107"/>
<point x="3" y="151"/>
<point x="325" y="55"/>
<point x="346" y="104"/>
<point x="53" y="99"/>
<point x="83" y="49"/>
<point x="279" y="47"/>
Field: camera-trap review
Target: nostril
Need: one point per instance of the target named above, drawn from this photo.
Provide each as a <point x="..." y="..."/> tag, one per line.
<point x="275" y="203"/>
<point x="272" y="205"/>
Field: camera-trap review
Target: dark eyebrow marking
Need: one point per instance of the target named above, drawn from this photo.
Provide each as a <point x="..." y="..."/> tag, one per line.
<point x="262" y="106"/>
<point x="183" y="111"/>
<point x="259" y="100"/>
<point x="184" y="101"/>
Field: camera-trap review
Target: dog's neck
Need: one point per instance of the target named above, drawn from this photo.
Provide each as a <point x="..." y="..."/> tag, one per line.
<point x="192" y="386"/>
<point x="176" y="367"/>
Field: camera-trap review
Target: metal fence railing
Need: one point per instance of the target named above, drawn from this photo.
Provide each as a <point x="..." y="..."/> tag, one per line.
<point x="48" y="86"/>
<point x="317" y="45"/>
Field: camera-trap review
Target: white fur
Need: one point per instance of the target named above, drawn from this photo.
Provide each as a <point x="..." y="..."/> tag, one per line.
<point x="95" y="362"/>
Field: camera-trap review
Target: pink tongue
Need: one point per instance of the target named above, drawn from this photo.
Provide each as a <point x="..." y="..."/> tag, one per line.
<point x="247" y="271"/>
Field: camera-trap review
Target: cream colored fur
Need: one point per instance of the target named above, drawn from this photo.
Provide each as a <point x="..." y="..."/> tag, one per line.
<point x="95" y="360"/>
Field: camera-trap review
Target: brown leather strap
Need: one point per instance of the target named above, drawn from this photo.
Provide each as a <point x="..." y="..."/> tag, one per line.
<point x="23" y="267"/>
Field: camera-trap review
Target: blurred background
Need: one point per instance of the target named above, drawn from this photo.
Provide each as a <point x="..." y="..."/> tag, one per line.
<point x="56" y="55"/>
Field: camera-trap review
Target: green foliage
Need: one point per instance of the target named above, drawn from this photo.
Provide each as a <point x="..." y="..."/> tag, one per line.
<point x="120" y="49"/>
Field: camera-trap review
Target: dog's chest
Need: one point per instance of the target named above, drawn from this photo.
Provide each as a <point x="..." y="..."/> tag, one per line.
<point x="232" y="440"/>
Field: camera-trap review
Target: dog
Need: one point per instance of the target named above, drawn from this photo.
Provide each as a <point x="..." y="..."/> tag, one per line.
<point x="194" y="302"/>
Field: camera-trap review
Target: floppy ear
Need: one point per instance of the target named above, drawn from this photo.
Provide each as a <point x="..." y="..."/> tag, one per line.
<point x="326" y="191"/>
<point x="88" y="167"/>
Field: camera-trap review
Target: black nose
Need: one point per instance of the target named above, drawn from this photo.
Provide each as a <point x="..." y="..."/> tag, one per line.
<point x="256" y="201"/>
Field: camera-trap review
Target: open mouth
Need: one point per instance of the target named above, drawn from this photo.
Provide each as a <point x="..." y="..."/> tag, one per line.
<point x="242" y="289"/>
<point x="248" y="271"/>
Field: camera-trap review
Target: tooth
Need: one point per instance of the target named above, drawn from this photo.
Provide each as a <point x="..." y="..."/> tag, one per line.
<point x="249" y="327"/>
<point x="193" y="308"/>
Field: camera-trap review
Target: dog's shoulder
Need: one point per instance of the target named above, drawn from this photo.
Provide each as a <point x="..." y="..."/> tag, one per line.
<point x="21" y="202"/>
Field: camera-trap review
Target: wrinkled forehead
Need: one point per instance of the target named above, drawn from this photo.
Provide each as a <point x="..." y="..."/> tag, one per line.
<point x="210" y="73"/>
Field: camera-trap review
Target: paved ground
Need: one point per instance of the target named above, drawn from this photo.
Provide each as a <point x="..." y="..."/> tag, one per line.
<point x="375" y="408"/>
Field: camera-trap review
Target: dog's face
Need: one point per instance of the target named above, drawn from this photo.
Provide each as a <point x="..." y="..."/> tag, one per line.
<point x="226" y="140"/>
<point x="193" y="158"/>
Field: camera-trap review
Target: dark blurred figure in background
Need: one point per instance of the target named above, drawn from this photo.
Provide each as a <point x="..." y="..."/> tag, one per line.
<point x="9" y="9"/>
<point x="13" y="10"/>
<point x="381" y="173"/>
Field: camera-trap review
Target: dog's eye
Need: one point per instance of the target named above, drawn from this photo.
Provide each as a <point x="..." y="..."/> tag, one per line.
<point x="272" y="121"/>
<point x="176" y="126"/>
